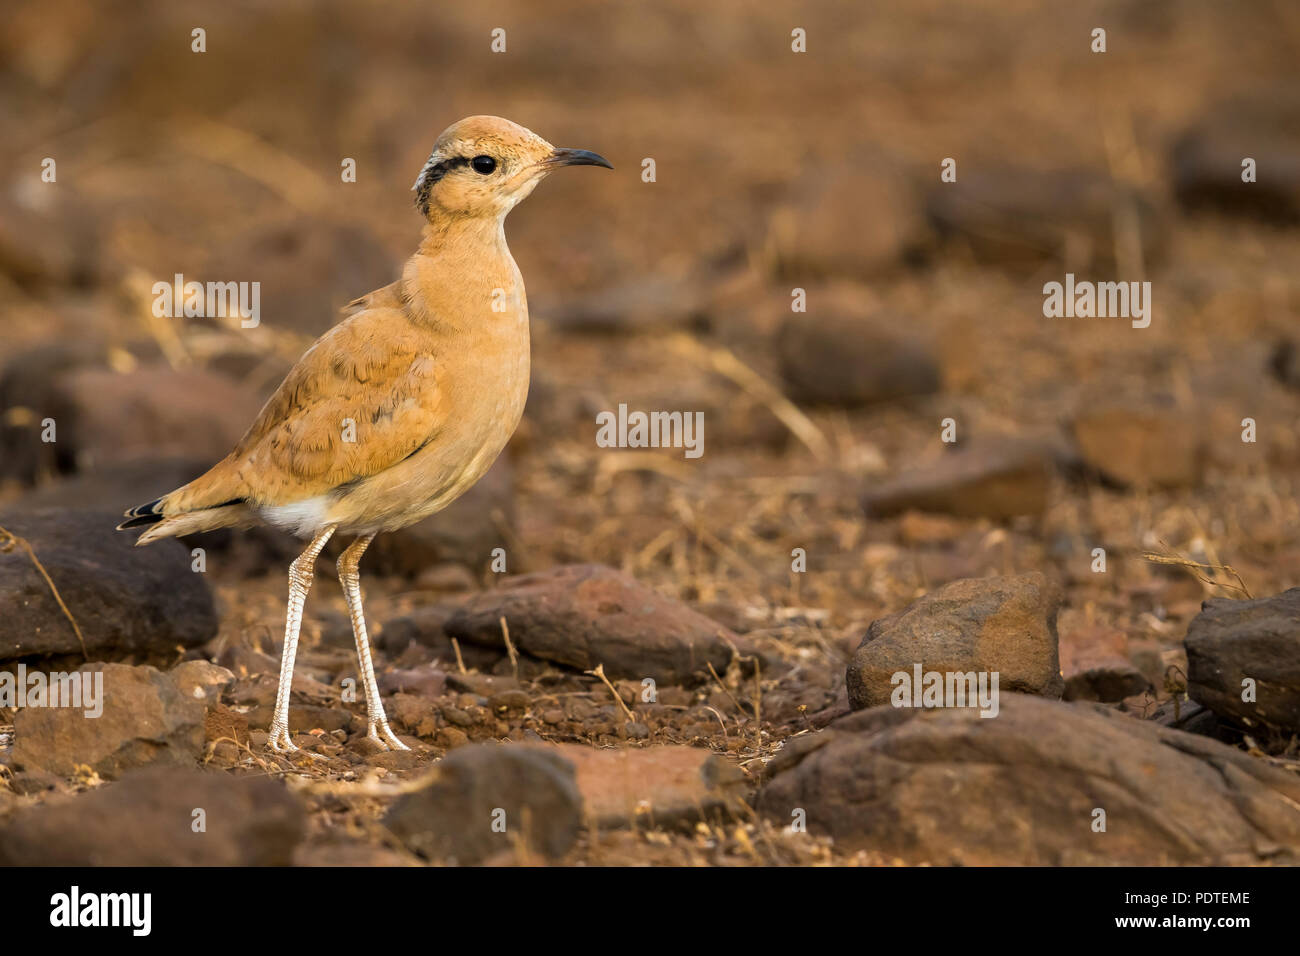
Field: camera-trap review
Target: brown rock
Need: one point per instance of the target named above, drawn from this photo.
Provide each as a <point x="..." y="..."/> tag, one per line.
<point x="655" y="302"/>
<point x="854" y="219"/>
<point x="1096" y="665"/>
<point x="584" y="615"/>
<point x="1231" y="642"/>
<point x="427" y="681"/>
<point x="484" y="799"/>
<point x="996" y="479"/>
<point x="125" y="600"/>
<point x="426" y="627"/>
<point x="148" y="819"/>
<point x="834" y="357"/>
<point x="222" y="723"/>
<point x="1022" y="218"/>
<point x="657" y="786"/>
<point x="156" y="411"/>
<point x="947" y="786"/>
<point x="25" y="396"/>
<point x="1141" y="447"/>
<point x="1007" y="625"/>
<point x="1207" y="158"/>
<point x="145" y="720"/>
<point x="202" y="680"/>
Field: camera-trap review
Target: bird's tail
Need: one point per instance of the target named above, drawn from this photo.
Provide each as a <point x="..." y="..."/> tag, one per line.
<point x="208" y="502"/>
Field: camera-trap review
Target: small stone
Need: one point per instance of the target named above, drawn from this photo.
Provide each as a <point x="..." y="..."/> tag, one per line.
<point x="1096" y="665"/>
<point x="1237" y="649"/>
<point x="835" y="356"/>
<point x="979" y="625"/>
<point x="654" y="786"/>
<point x="994" y="478"/>
<point x="479" y="799"/>
<point x="509" y="700"/>
<point x="145" y="719"/>
<point x="202" y="680"/>
<point x="584" y="615"/>
<point x="1141" y="447"/>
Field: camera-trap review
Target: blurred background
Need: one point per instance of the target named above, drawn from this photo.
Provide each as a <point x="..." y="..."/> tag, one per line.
<point x="774" y="171"/>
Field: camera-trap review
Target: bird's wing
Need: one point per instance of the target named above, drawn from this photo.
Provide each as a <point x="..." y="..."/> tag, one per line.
<point x="362" y="399"/>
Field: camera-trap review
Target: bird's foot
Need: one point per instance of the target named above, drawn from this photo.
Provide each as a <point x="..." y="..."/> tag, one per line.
<point x="383" y="735"/>
<point x="279" y="742"/>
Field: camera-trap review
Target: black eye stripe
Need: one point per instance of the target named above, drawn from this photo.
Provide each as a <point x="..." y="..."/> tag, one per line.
<point x="430" y="175"/>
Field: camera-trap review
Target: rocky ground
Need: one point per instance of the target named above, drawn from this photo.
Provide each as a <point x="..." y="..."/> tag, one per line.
<point x="682" y="660"/>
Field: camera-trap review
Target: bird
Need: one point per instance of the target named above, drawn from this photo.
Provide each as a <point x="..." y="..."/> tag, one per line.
<point x="399" y="408"/>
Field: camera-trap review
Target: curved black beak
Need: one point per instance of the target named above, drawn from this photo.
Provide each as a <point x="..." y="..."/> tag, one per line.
<point x="577" y="157"/>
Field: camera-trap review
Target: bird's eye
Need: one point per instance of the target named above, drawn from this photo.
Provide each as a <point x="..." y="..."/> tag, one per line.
<point x="483" y="164"/>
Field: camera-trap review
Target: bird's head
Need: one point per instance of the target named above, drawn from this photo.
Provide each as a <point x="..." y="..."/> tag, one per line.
<point x="483" y="166"/>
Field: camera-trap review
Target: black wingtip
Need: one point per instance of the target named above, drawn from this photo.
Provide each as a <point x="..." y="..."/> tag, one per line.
<point x="139" y="521"/>
<point x="140" y="515"/>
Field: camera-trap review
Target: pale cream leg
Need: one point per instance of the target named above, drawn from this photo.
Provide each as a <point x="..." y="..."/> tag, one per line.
<point x="350" y="578"/>
<point x="301" y="573"/>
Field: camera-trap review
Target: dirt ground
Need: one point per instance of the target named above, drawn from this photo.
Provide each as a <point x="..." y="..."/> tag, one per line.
<point x="675" y="294"/>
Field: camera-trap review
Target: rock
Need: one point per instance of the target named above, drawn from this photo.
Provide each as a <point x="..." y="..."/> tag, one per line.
<point x="1007" y="625"/>
<point x="1096" y="665"/>
<point x="1141" y="447"/>
<point x="202" y="680"/>
<point x="103" y="416"/>
<point x="1285" y="362"/>
<point x="24" y="395"/>
<point x="1207" y="160"/>
<point x="1022" y="219"/>
<point x="126" y="600"/>
<point x="1232" y="641"/>
<point x="147" y="819"/>
<point x="852" y="219"/>
<point x="425" y="626"/>
<point x="483" y="799"/>
<point x="947" y="786"/>
<point x="145" y="720"/>
<point x="348" y="853"/>
<point x="834" y="357"/>
<point x="467" y="531"/>
<point x="426" y="681"/>
<point x="657" y="786"/>
<point x="994" y="478"/>
<point x="116" y="486"/>
<point x="584" y="615"/>
<point x="223" y="724"/>
<point x="655" y="302"/>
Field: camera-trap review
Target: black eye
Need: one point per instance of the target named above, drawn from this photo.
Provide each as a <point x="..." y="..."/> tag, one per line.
<point x="483" y="164"/>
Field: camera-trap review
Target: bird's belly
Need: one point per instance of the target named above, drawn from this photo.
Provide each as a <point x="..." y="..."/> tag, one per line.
<point x="436" y="475"/>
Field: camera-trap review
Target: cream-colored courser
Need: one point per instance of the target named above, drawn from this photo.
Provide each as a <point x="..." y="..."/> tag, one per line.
<point x="396" y="411"/>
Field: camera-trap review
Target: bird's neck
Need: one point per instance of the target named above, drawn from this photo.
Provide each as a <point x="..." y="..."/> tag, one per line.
<point x="463" y="273"/>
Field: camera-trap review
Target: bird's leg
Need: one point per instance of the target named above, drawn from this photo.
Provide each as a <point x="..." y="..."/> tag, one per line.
<point x="301" y="573"/>
<point x="350" y="578"/>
